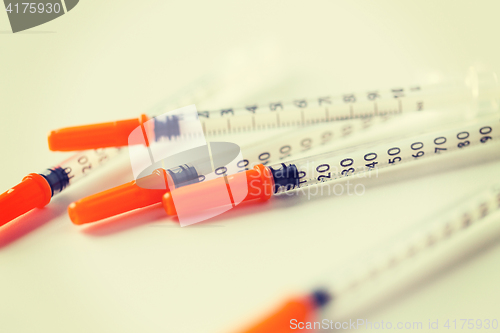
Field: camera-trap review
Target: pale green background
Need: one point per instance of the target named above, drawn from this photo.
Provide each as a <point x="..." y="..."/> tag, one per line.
<point x="108" y="60"/>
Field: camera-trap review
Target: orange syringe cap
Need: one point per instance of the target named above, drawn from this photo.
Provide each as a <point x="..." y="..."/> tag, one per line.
<point x="298" y="308"/>
<point x="220" y="194"/>
<point x="103" y="135"/>
<point x="144" y="192"/>
<point x="33" y="192"/>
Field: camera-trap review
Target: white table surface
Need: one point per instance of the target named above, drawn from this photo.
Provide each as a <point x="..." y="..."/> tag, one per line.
<point x="142" y="272"/>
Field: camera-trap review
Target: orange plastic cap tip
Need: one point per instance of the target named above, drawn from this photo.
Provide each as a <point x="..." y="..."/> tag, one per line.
<point x="103" y="135"/>
<point x="120" y="199"/>
<point x="33" y="192"/>
<point x="300" y="309"/>
<point x="168" y="204"/>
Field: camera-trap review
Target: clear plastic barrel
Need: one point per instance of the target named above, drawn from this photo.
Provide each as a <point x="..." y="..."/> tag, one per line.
<point x="478" y="91"/>
<point x="401" y="261"/>
<point x="371" y="157"/>
<point x="77" y="166"/>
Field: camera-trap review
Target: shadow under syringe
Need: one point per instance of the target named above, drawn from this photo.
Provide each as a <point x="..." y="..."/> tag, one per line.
<point x="32" y="221"/>
<point x="127" y="221"/>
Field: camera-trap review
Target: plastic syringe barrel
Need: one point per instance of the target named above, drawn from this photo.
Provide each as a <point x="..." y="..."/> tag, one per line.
<point x="210" y="194"/>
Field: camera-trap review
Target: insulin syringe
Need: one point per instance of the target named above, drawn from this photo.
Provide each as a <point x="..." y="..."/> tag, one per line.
<point x="37" y="189"/>
<point x="392" y="267"/>
<point x="145" y="192"/>
<point x="476" y="94"/>
<point x="236" y="183"/>
<point x="194" y="202"/>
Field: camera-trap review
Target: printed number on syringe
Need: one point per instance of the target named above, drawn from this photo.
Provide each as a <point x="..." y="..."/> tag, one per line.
<point x="394" y="154"/>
